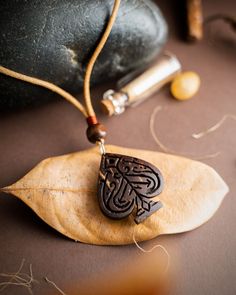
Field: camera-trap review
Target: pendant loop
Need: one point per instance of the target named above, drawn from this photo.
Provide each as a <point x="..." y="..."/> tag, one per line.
<point x="101" y="146"/>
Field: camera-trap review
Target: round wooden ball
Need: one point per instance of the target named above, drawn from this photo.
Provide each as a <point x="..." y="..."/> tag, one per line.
<point x="96" y="132"/>
<point x="185" y="85"/>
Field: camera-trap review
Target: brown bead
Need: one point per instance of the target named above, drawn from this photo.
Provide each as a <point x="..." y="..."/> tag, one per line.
<point x="96" y="132"/>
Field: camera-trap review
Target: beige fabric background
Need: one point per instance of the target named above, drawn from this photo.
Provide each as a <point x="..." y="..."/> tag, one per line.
<point x="207" y="256"/>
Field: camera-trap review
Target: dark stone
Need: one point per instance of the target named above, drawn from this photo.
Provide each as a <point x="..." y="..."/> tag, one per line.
<point x="53" y="40"/>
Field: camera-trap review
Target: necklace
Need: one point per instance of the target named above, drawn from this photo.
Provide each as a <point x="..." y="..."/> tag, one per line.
<point x="125" y="183"/>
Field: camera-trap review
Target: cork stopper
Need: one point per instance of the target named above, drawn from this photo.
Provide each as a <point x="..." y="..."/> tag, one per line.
<point x="107" y="107"/>
<point x="113" y="103"/>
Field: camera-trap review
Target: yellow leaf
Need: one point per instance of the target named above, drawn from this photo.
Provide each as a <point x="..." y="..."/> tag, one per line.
<point x="63" y="192"/>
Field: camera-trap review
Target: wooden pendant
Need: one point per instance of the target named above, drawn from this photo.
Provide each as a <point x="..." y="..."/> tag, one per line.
<point x="125" y="183"/>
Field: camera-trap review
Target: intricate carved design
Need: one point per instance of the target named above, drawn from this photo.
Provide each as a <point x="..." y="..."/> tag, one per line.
<point x="126" y="182"/>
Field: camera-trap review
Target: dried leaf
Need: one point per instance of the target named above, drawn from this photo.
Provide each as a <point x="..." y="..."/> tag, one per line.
<point x="63" y="192"/>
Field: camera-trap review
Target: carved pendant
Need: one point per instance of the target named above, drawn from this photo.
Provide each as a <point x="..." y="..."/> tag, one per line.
<point x="126" y="183"/>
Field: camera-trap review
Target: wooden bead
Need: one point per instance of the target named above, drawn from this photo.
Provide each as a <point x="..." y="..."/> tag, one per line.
<point x="185" y="85"/>
<point x="96" y="132"/>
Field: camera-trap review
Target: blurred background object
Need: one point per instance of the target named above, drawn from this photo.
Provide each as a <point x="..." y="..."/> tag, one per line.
<point x="194" y="20"/>
<point x="145" y="274"/>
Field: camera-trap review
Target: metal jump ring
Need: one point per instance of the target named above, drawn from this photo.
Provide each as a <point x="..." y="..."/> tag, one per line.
<point x="101" y="146"/>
